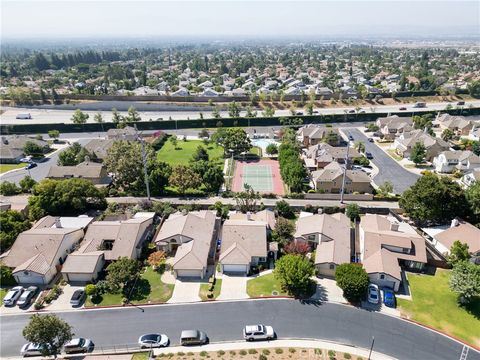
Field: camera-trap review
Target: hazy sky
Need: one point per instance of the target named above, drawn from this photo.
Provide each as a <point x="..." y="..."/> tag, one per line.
<point x="38" y="18"/>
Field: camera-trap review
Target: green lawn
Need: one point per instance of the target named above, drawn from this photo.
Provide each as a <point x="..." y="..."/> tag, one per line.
<point x="149" y="289"/>
<point x="3" y="292"/>
<point x="8" y="167"/>
<point x="204" y="290"/>
<point x="394" y="155"/>
<point x="264" y="286"/>
<point x="140" y="355"/>
<point x="184" y="151"/>
<point x="434" y="304"/>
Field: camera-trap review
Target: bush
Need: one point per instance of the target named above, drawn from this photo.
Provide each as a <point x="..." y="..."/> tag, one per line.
<point x="331" y="354"/>
<point x="233" y="353"/>
<point x="295" y="195"/>
<point x="252" y="351"/>
<point x="220" y="352"/>
<point x="284" y="209"/>
<point x="278" y="351"/>
<point x="318" y="351"/>
<point x="266" y="352"/>
<point x="269" y="196"/>
<point x="347" y="356"/>
<point x="38" y="305"/>
<point x="8" y="188"/>
<point x="292" y="350"/>
<point x="353" y="280"/>
<point x="262" y="357"/>
<point x="242" y="352"/>
<point x="90" y="290"/>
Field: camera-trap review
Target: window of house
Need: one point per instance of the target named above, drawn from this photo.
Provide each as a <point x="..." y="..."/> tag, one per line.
<point x="332" y="266"/>
<point x="382" y="277"/>
<point x="311" y="237"/>
<point x="261" y="259"/>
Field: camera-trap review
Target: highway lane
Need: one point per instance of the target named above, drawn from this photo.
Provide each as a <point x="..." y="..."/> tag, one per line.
<point x="223" y="321"/>
<point x="390" y="170"/>
<point x="60" y="115"/>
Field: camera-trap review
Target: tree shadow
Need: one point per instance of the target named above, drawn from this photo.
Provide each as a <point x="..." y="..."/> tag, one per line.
<point x="141" y="291"/>
<point x="473" y="308"/>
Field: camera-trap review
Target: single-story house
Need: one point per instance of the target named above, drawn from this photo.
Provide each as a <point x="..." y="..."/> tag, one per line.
<point x="330" y="180"/>
<point x="458" y="124"/>
<point x="99" y="147"/>
<point x="191" y="239"/>
<point x="323" y="154"/>
<point x="39" y="253"/>
<point x="330" y="235"/>
<point x="94" y="172"/>
<point x="11" y="147"/>
<point x="312" y="134"/>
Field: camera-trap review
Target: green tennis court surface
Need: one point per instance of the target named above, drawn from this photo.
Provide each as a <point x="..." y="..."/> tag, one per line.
<point x="259" y="177"/>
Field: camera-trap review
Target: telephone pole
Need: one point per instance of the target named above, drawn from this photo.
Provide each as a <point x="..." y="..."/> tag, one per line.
<point x="144" y="160"/>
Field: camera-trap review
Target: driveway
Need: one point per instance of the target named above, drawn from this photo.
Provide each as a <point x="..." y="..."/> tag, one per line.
<point x="233" y="287"/>
<point x="63" y="301"/>
<point x="327" y="290"/>
<point x="389" y="169"/>
<point x="185" y="291"/>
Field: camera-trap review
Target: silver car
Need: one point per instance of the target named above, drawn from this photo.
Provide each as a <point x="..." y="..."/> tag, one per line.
<point x="27" y="296"/>
<point x="31" y="349"/>
<point x="78" y="345"/>
<point x="153" y="340"/>
<point x="258" y="332"/>
<point x="12" y="296"/>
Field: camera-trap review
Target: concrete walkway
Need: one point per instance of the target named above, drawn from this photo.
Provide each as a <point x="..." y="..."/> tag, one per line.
<point x="308" y="344"/>
<point x="185" y="292"/>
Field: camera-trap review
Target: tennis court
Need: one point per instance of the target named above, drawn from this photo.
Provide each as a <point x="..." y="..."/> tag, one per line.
<point x="262" y="175"/>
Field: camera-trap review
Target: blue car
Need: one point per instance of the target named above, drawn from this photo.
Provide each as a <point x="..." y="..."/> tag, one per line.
<point x="389" y="298"/>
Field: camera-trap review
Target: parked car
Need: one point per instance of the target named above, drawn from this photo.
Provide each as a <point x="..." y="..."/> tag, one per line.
<point x="315" y="112"/>
<point x="370" y="140"/>
<point x="351" y="111"/>
<point x="389" y="298"/>
<point x="369" y="155"/>
<point x="373" y="294"/>
<point x="299" y="113"/>
<point x="350" y="137"/>
<point x="30" y="165"/>
<point x="24" y="116"/>
<point x="30" y="349"/>
<point x="27" y="296"/>
<point x="403" y="108"/>
<point x="193" y="337"/>
<point x="258" y="332"/>
<point x="153" y="340"/>
<point x="461" y="103"/>
<point x="12" y="296"/>
<point x="78" y="297"/>
<point x="79" y="345"/>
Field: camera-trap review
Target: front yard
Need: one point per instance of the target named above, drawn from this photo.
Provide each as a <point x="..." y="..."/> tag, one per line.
<point x="3" y="292"/>
<point x="266" y="285"/>
<point x="434" y="304"/>
<point x="8" y="167"/>
<point x="204" y="290"/>
<point x="182" y="154"/>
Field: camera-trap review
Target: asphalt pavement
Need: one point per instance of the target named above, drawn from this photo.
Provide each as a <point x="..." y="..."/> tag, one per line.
<point x="223" y="321"/>
<point x="389" y="169"/>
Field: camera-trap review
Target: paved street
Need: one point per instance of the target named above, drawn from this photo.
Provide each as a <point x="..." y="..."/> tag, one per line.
<point x="390" y="170"/>
<point x="223" y="321"/>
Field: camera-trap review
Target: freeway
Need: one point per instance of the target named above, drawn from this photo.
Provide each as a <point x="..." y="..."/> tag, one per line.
<point x="61" y="115"/>
<point x="223" y="321"/>
<point x="390" y="170"/>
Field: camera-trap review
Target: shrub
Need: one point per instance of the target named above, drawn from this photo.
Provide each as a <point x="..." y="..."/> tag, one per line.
<point x="90" y="289"/>
<point x="242" y="352"/>
<point x="203" y="353"/>
<point x="353" y="280"/>
<point x="278" y="351"/>
<point x="252" y="351"/>
<point x="38" y="305"/>
<point x="292" y="350"/>
<point x="8" y="188"/>
<point x="318" y="351"/>
<point x="220" y="352"/>
<point x="233" y="353"/>
<point x="262" y="357"/>
<point x="331" y="354"/>
<point x="347" y="356"/>
<point x="266" y="352"/>
<point x="180" y="353"/>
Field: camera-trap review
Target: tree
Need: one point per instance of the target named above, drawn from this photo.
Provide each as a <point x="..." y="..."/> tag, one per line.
<point x="283" y="232"/>
<point x="49" y="332"/>
<point x="233" y="110"/>
<point x="472" y="194"/>
<point x="251" y="113"/>
<point x="79" y="117"/>
<point x="13" y="223"/>
<point x="353" y="280"/>
<point x="116" y="117"/>
<point x="458" y="252"/>
<point x="174" y="140"/>
<point x="54" y="134"/>
<point x="271" y="149"/>
<point x="465" y="281"/>
<point x="294" y="273"/>
<point x="268" y="111"/>
<point x="423" y="122"/>
<point x="386" y="188"/>
<point x="216" y="112"/>
<point x="297" y="247"/>
<point x="33" y="149"/>
<point x="353" y="211"/>
<point x="360" y="146"/>
<point x="474" y="89"/>
<point x="122" y="273"/>
<point x="233" y="140"/>
<point x="157" y="258"/>
<point x="213" y="178"/>
<point x="309" y="108"/>
<point x="8" y="188"/>
<point x="331" y="138"/>
<point x="70" y="196"/>
<point x="247" y="199"/>
<point x="284" y="210"/>
<point x="203" y="134"/>
<point x="132" y="115"/>
<point x="422" y="200"/>
<point x="183" y="178"/>
<point x="418" y="153"/>
<point x="158" y="175"/>
<point x="6" y="276"/>
<point x="27" y="183"/>
<point x="74" y="155"/>
<point x="447" y="135"/>
<point x="200" y="154"/>
<point x="98" y="118"/>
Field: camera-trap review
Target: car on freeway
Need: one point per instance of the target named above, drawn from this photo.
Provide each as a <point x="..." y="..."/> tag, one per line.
<point x="403" y="108"/>
<point x="461" y="103"/>
<point x="153" y="340"/>
<point x="193" y="337"/>
<point x="351" y="111"/>
<point x="31" y="349"/>
<point x="389" y="298"/>
<point x="369" y="155"/>
<point x="79" y="345"/>
<point x="27" y="296"/>
<point x="78" y="297"/>
<point x="24" y="116"/>
<point x="315" y="112"/>
<point x="373" y="294"/>
<point x="299" y="113"/>
<point x="258" y="332"/>
<point x="30" y="166"/>
<point x="370" y="140"/>
<point x="12" y="296"/>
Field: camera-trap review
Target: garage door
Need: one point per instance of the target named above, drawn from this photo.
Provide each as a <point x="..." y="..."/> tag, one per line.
<point x="238" y="269"/>
<point x="189" y="273"/>
<point x="29" y="279"/>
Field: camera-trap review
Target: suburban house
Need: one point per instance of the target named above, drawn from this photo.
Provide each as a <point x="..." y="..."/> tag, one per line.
<point x="471" y="177"/>
<point x="449" y="161"/>
<point x="433" y="145"/>
<point x="330" y="235"/>
<point x="243" y="245"/>
<point x="267" y="216"/>
<point x="11" y="148"/>
<point x="458" y="124"/>
<point x="191" y="239"/>
<point x="387" y="247"/>
<point x="39" y="253"/>
<point x="320" y="155"/>
<point x="181" y="92"/>
<point x="392" y="126"/>
<point x="330" y="180"/>
<point x="443" y="237"/>
<point x="99" y="147"/>
<point x="106" y="241"/>
<point x="127" y="133"/>
<point x="94" y="172"/>
<point x="313" y="134"/>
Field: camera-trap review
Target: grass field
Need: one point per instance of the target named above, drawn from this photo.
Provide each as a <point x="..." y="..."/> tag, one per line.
<point x="264" y="286"/>
<point x="8" y="167"/>
<point x="434" y="304"/>
<point x="184" y="151"/>
<point x="204" y="290"/>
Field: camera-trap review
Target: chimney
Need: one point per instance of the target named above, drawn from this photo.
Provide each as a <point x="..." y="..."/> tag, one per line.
<point x="58" y="224"/>
<point x="454" y="223"/>
<point x="249" y="215"/>
<point x="394" y="226"/>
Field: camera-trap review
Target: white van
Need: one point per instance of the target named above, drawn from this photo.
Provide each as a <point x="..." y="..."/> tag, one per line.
<point x="24" y="116"/>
